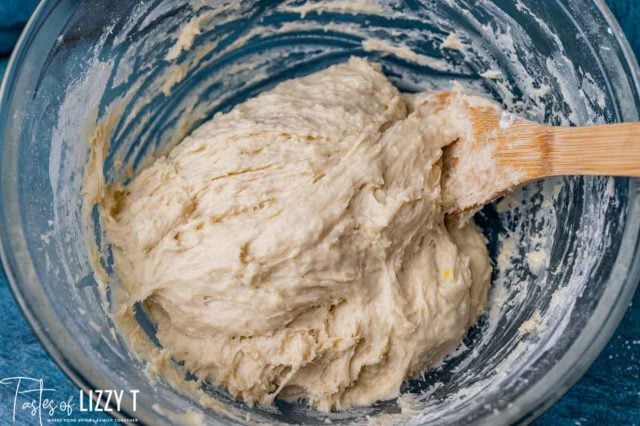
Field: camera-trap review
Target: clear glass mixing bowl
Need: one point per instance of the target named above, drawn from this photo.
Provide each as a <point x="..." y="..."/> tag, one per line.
<point x="565" y="250"/>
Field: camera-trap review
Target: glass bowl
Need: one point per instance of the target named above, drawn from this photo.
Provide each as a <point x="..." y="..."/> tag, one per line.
<point x="138" y="75"/>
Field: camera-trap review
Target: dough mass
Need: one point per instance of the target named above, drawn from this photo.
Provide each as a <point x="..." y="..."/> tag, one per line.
<point x="295" y="247"/>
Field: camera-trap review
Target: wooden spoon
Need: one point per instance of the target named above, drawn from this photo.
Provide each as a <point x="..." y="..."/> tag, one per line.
<point x="495" y="151"/>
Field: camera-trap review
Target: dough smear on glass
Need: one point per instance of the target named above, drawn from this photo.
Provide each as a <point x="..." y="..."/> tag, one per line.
<point x="296" y="246"/>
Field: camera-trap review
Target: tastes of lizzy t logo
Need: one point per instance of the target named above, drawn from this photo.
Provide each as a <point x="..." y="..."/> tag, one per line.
<point x="33" y="402"/>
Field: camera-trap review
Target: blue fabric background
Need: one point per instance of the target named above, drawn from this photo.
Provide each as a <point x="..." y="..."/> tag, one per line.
<point x="608" y="394"/>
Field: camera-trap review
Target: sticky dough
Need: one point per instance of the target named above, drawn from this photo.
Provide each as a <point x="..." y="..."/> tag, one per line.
<point x="295" y="247"/>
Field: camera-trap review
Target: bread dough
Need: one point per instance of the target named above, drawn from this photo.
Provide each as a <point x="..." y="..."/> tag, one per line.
<point x="296" y="247"/>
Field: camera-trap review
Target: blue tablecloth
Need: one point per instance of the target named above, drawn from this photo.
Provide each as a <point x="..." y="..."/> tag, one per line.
<point x="608" y="394"/>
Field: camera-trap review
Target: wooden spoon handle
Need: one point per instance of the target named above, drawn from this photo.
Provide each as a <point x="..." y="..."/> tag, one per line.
<point x="612" y="149"/>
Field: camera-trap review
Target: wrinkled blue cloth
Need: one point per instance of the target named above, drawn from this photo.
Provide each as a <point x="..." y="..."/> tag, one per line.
<point x="609" y="394"/>
<point x="13" y="15"/>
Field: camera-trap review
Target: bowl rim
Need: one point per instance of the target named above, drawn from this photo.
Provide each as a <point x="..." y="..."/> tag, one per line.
<point x="524" y="409"/>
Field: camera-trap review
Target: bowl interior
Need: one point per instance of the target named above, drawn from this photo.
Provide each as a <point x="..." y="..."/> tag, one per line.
<point x="134" y="74"/>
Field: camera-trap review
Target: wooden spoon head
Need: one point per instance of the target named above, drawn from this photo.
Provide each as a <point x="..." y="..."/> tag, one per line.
<point x="492" y="151"/>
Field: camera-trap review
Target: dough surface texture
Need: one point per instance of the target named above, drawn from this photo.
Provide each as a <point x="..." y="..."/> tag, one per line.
<point x="296" y="247"/>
